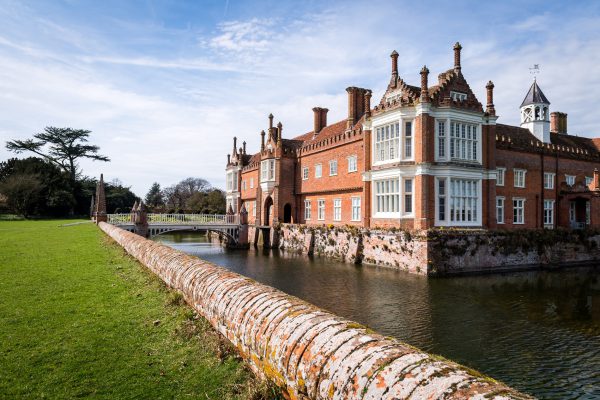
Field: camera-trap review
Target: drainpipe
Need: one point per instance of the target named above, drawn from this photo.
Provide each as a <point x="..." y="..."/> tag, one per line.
<point x="542" y="186"/>
<point x="557" y="205"/>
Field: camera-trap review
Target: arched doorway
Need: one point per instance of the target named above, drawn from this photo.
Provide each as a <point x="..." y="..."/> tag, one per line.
<point x="268" y="211"/>
<point x="287" y="213"/>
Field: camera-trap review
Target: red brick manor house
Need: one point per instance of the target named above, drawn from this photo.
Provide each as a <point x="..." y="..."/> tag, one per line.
<point x="425" y="156"/>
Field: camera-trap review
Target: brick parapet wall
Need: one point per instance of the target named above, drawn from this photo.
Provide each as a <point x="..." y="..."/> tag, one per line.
<point x="308" y="352"/>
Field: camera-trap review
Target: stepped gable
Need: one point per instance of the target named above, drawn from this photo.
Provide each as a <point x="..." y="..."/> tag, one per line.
<point x="453" y="80"/>
<point x="520" y="139"/>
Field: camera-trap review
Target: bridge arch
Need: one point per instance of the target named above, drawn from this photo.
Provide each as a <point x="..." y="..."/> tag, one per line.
<point x="231" y="234"/>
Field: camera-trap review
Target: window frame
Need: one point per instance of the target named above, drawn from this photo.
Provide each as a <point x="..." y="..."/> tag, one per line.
<point x="352" y="163"/>
<point x="354" y="208"/>
<point x="550" y="215"/>
<point x="405" y="196"/>
<point x="549" y="180"/>
<point x="516" y="173"/>
<point x="570" y="177"/>
<point x="501" y="172"/>
<point x="307" y="209"/>
<point x="333" y="167"/>
<point x="522" y="208"/>
<point x="500" y="205"/>
<point x="318" y="170"/>
<point x="305" y="173"/>
<point x="337" y="209"/>
<point x="321" y="208"/>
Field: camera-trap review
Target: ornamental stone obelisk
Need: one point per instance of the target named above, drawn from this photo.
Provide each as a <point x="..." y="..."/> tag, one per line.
<point x="100" y="213"/>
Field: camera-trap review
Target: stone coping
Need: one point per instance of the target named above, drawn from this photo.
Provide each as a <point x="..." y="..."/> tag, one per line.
<point x="308" y="352"/>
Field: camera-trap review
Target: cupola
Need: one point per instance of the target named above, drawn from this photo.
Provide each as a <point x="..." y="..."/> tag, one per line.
<point x="535" y="113"/>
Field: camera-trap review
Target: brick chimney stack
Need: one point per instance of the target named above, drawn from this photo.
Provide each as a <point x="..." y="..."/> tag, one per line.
<point x="558" y="122"/>
<point x="424" y="85"/>
<point x="270" y="121"/>
<point x="368" y="94"/>
<point x="319" y="118"/>
<point x="356" y="105"/>
<point x="234" y="145"/>
<point x="351" y="106"/>
<point x="228" y="159"/>
<point x="244" y="147"/>
<point x="490" y="109"/>
<point x="394" y="57"/>
<point x="279" y="129"/>
<point x="262" y="140"/>
<point x="457" y="49"/>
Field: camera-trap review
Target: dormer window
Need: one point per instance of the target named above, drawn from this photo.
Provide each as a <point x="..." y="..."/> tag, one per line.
<point x="458" y="96"/>
<point x="267" y="170"/>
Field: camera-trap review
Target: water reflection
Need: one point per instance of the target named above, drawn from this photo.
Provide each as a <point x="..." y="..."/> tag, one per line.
<point x="536" y="331"/>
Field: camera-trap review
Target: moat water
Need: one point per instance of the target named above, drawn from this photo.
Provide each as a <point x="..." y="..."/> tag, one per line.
<point x="539" y="332"/>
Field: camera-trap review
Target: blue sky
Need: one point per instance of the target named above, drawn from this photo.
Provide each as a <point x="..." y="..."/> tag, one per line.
<point x="165" y="85"/>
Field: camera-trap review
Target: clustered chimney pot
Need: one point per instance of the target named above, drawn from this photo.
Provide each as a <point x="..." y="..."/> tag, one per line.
<point x="424" y="84"/>
<point x="558" y="122"/>
<point x="394" y="57"/>
<point x="319" y="118"/>
<point x="457" y="49"/>
<point x="490" y="109"/>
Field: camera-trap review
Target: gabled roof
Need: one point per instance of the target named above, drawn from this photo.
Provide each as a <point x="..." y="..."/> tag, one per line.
<point x="535" y="96"/>
<point x="520" y="139"/>
<point x="328" y="131"/>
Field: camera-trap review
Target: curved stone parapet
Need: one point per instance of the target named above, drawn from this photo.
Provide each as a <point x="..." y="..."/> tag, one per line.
<point x="308" y="352"/>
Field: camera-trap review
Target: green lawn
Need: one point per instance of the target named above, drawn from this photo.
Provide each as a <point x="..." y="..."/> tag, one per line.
<point x="79" y="318"/>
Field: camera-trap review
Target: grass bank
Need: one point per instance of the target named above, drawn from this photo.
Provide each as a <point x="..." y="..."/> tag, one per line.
<point x="80" y="318"/>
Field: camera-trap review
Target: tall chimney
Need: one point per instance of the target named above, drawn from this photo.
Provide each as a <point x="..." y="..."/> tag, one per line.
<point x="324" y="117"/>
<point x="234" y="145"/>
<point x="319" y="118"/>
<point x="244" y="147"/>
<point x="490" y="109"/>
<point x="270" y="121"/>
<point x="424" y="86"/>
<point x="351" y="106"/>
<point x="368" y="94"/>
<point x="457" y="48"/>
<point x="262" y="140"/>
<point x="558" y="122"/>
<point x="279" y="129"/>
<point x="228" y="159"/>
<point x="394" y="57"/>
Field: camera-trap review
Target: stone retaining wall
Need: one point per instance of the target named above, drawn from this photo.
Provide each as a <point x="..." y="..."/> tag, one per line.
<point x="466" y="252"/>
<point x="308" y="352"/>
<point x="445" y="252"/>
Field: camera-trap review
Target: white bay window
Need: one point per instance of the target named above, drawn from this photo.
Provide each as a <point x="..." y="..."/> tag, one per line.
<point x="267" y="170"/>
<point x="464" y="200"/>
<point x="393" y="142"/>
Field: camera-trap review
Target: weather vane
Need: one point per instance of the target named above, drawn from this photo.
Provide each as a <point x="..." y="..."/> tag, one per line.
<point x="534" y="70"/>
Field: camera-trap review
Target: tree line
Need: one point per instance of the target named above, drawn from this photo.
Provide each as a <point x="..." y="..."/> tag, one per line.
<point x="191" y="195"/>
<point x="51" y="184"/>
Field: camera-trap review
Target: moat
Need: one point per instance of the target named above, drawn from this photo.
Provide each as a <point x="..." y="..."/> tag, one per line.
<point x="539" y="332"/>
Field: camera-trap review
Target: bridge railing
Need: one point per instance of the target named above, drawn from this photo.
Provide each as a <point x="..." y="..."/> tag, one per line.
<point x="191" y="219"/>
<point x="117" y="219"/>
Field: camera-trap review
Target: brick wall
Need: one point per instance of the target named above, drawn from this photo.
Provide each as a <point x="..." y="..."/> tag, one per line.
<point x="306" y="351"/>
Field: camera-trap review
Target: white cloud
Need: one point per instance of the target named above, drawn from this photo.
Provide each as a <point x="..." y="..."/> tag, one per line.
<point x="165" y="115"/>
